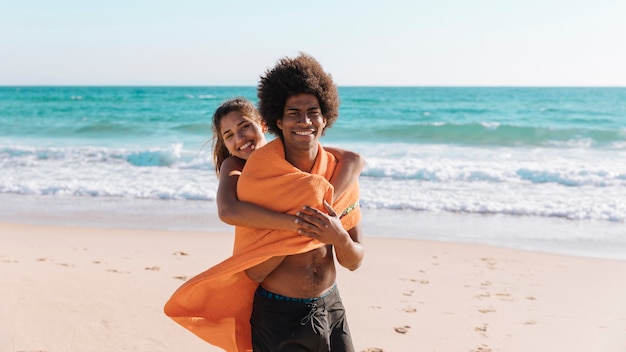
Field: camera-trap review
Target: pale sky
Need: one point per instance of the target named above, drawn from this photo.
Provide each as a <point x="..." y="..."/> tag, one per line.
<point x="361" y="42"/>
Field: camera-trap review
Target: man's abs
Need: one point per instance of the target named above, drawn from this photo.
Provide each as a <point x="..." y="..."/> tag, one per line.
<point x="305" y="275"/>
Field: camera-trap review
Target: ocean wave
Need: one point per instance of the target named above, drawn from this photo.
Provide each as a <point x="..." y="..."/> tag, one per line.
<point x="533" y="200"/>
<point x="485" y="134"/>
<point x="450" y="173"/>
<point x="576" y="184"/>
<point x="173" y="155"/>
<point x="203" y="128"/>
<point x="156" y="157"/>
<point x="105" y="129"/>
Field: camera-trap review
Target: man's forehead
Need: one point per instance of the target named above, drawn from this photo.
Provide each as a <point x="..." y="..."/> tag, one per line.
<point x="302" y="101"/>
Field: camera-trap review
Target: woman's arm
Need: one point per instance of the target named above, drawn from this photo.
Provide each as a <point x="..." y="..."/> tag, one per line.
<point x="235" y="212"/>
<point x="349" y="167"/>
<point x="259" y="272"/>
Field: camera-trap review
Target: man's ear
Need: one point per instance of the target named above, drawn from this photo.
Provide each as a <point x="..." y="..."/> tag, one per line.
<point x="279" y="124"/>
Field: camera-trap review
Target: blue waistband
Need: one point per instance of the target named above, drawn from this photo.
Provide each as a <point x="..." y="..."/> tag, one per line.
<point x="261" y="292"/>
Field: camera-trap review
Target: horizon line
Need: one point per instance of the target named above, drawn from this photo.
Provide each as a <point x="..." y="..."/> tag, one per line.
<point x="254" y="86"/>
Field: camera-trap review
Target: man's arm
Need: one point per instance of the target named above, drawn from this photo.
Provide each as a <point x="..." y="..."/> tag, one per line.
<point x="350" y="254"/>
<point x="327" y="228"/>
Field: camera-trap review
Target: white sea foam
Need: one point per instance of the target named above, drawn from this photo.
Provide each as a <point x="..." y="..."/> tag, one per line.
<point x="168" y="173"/>
<point x="490" y="125"/>
<point x="577" y="184"/>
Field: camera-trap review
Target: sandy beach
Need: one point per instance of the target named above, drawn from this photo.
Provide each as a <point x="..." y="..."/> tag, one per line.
<point x="95" y="289"/>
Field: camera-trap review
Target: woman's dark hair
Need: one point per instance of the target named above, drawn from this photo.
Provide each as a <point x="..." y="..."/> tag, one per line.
<point x="243" y="105"/>
<point x="294" y="76"/>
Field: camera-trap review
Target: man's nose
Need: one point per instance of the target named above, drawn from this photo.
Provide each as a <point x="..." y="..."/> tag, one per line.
<point x="304" y="119"/>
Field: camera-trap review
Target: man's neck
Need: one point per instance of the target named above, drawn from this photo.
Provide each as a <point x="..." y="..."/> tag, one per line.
<point x="303" y="160"/>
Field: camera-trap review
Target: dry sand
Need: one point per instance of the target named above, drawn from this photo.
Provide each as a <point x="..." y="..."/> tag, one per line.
<point x="66" y="289"/>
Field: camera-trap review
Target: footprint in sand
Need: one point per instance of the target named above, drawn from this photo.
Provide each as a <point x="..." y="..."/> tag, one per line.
<point x="410" y="309"/>
<point x="118" y="271"/>
<point x="402" y="329"/>
<point x="491" y="263"/>
<point x="483" y="295"/>
<point x="481" y="330"/>
<point x="505" y="297"/>
<point x="373" y="349"/>
<point x="181" y="277"/>
<point x="482" y="348"/>
<point x="153" y="268"/>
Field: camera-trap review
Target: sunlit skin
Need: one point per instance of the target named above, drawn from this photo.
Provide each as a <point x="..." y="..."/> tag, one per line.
<point x="241" y="134"/>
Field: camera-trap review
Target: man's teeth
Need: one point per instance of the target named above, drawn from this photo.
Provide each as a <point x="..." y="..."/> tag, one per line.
<point x="303" y="133"/>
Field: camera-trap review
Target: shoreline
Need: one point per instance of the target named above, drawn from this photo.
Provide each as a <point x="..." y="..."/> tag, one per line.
<point x="76" y="288"/>
<point x="591" y="239"/>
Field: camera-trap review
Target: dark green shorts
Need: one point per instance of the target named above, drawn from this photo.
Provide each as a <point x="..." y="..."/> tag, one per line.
<point x="284" y="324"/>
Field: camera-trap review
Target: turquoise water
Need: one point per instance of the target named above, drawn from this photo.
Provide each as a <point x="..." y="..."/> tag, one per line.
<point x="443" y="140"/>
<point x="465" y="116"/>
<point x="534" y="153"/>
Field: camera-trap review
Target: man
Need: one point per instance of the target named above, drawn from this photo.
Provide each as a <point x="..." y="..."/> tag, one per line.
<point x="297" y="304"/>
<point x="277" y="291"/>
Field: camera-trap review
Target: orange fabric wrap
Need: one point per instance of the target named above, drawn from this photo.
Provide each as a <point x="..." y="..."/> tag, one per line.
<point x="216" y="304"/>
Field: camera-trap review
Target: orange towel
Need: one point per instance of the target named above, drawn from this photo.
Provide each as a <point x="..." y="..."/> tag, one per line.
<point x="216" y="305"/>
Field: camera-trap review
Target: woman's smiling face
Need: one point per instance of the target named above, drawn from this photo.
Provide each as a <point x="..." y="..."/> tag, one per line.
<point x="242" y="135"/>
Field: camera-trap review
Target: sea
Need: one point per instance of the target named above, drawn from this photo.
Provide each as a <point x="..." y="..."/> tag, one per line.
<point x="532" y="168"/>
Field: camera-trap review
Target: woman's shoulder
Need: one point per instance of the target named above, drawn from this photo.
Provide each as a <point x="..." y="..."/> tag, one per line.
<point x="232" y="163"/>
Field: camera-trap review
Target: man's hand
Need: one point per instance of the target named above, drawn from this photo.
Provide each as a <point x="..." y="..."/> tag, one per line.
<point x="325" y="228"/>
